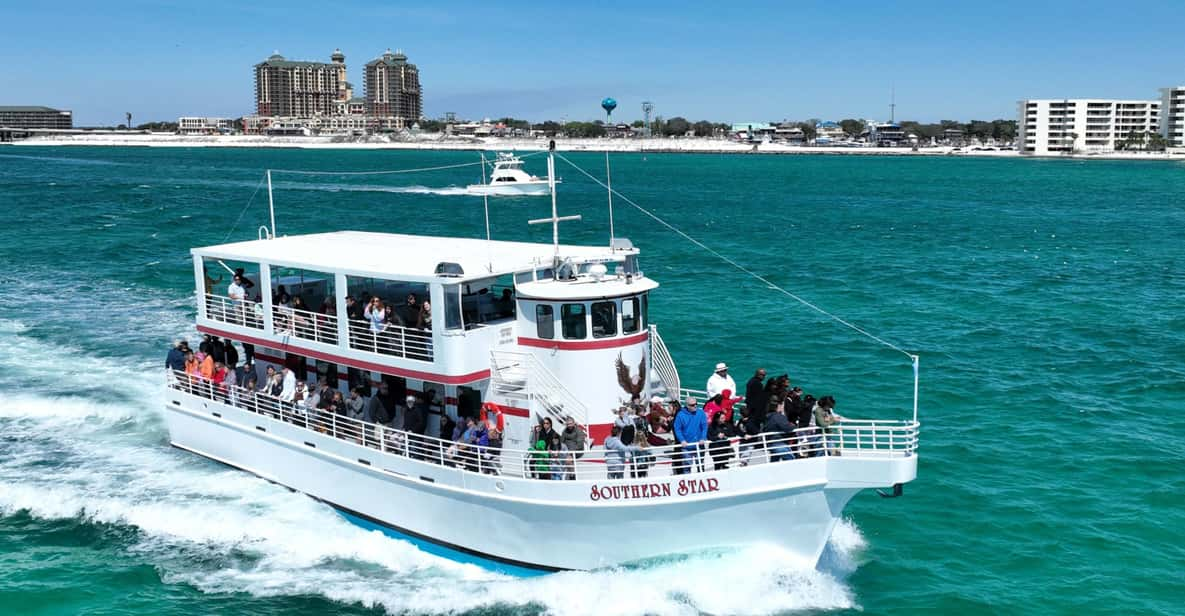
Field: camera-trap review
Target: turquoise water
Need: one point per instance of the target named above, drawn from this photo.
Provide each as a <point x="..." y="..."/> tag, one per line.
<point x="1046" y="298"/>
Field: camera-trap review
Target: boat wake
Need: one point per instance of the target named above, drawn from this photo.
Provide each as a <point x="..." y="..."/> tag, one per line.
<point x="89" y="444"/>
<point x="448" y="191"/>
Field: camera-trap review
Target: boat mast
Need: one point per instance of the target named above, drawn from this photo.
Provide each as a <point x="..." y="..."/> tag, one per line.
<point x="485" y="199"/>
<point x="271" y="205"/>
<point x="555" y="219"/>
<point x="608" y="104"/>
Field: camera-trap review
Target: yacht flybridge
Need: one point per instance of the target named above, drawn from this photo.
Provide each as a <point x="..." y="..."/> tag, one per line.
<point x="509" y="179"/>
<point x="511" y="334"/>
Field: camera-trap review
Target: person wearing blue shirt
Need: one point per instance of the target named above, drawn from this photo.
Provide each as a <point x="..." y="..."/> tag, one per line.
<point x="691" y="429"/>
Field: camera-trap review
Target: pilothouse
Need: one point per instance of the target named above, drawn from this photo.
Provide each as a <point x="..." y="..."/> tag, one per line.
<point x="475" y="379"/>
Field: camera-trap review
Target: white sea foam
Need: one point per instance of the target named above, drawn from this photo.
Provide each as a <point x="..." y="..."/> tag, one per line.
<point x="100" y="454"/>
<point x="415" y="190"/>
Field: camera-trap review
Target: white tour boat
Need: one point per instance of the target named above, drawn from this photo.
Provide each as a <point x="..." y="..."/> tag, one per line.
<point x="516" y="333"/>
<point x="508" y="179"/>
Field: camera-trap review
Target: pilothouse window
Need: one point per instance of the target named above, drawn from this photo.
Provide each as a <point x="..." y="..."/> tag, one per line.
<point x="630" y="323"/>
<point x="604" y="319"/>
<point x="574" y="320"/>
<point x="545" y="321"/>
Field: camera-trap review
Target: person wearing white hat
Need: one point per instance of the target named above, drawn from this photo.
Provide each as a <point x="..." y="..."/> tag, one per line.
<point x="720" y="381"/>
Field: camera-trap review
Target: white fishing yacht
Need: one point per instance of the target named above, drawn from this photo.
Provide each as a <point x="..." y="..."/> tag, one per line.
<point x="512" y="334"/>
<point x="508" y="179"/>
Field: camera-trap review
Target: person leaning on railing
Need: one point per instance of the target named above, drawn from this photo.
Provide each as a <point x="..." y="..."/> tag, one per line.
<point x="826" y="417"/>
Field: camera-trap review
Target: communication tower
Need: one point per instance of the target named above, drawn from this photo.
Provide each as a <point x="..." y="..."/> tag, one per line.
<point x="647" y="111"/>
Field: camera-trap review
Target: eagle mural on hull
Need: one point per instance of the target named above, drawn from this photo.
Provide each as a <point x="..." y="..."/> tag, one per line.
<point x="633" y="387"/>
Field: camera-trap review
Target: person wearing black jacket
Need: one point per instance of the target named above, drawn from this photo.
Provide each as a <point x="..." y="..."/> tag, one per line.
<point x="779" y="430"/>
<point x="798" y="412"/>
<point x="720" y="433"/>
<point x="755" y="398"/>
<point x="232" y="355"/>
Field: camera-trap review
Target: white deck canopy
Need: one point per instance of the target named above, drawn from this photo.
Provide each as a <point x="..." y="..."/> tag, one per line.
<point x="402" y="257"/>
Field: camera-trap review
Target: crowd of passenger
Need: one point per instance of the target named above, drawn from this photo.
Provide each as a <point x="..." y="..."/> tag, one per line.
<point x="294" y="315"/>
<point x="214" y="370"/>
<point x="773" y="416"/>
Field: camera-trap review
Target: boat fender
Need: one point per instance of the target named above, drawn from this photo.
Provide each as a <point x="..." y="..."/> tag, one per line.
<point x="898" y="490"/>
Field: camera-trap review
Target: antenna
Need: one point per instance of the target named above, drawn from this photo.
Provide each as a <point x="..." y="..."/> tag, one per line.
<point x="608" y="104"/>
<point x="485" y="198"/>
<point x="892" y="104"/>
<point x="271" y="205"/>
<point x="555" y="219"/>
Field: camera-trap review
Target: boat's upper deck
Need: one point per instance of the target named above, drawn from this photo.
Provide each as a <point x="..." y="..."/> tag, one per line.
<point x="405" y="257"/>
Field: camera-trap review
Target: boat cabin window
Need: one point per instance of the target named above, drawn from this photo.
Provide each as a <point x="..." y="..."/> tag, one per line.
<point x="505" y="178"/>
<point x="545" y="321"/>
<point x="604" y="319"/>
<point x="228" y="300"/>
<point x="403" y="302"/>
<point x="574" y="321"/>
<point x="643" y="317"/>
<point x="487" y="301"/>
<point x="452" y="306"/>
<point x="630" y="321"/>
<point x="302" y="289"/>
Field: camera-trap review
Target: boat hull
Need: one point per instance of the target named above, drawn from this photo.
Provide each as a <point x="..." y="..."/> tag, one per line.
<point x="522" y="189"/>
<point x="525" y="524"/>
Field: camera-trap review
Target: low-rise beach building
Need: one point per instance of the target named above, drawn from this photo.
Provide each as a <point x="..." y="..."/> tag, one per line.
<point x="34" y="116"/>
<point x="1067" y="125"/>
<point x="204" y="126"/>
<point x="829" y="132"/>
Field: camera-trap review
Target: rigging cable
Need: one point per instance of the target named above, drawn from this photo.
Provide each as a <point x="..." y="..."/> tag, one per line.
<point x="395" y="171"/>
<point x="913" y="358"/>
<point x="244" y="210"/>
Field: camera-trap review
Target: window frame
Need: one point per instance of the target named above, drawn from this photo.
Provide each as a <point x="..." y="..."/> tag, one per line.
<point x="550" y="310"/>
<point x="564" y="316"/>
<point x="636" y="318"/>
<point x="612" y="329"/>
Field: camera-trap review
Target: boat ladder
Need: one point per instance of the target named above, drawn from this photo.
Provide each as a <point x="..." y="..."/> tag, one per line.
<point x="521" y="376"/>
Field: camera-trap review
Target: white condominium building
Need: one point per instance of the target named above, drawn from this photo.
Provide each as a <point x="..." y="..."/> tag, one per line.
<point x="1172" y="116"/>
<point x="1054" y="126"/>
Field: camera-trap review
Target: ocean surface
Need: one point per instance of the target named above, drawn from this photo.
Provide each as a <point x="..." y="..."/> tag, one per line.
<point x="1045" y="297"/>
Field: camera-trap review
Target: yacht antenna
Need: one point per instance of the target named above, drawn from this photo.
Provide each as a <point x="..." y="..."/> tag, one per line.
<point x="485" y="198"/>
<point x="555" y="219"/>
<point x="608" y="104"/>
<point x="271" y="205"/>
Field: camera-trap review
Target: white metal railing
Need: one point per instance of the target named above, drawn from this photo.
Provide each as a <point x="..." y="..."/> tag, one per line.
<point x="662" y="364"/>
<point x="521" y="375"/>
<point x="305" y="324"/>
<point x="245" y="313"/>
<point x="852" y="438"/>
<point x="392" y="340"/>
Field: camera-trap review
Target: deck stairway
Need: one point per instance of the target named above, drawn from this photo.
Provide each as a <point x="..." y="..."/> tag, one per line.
<point x="664" y="377"/>
<point x="521" y="376"/>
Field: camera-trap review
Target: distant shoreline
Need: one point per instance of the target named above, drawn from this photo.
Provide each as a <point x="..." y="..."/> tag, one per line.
<point x="689" y="145"/>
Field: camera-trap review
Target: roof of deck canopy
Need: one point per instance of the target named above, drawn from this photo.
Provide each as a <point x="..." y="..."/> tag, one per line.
<point x="401" y="257"/>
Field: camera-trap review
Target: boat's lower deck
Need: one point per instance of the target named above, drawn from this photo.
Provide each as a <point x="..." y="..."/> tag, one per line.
<point x="500" y="515"/>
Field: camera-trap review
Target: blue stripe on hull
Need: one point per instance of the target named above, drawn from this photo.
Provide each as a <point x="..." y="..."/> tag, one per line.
<point x="442" y="551"/>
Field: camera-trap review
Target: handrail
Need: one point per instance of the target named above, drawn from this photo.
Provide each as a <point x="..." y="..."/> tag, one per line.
<point x="305" y="324"/>
<point x="884" y="439"/>
<point x="521" y="373"/>
<point x="396" y="340"/>
<point x="662" y="363"/>
<point x="245" y="312"/>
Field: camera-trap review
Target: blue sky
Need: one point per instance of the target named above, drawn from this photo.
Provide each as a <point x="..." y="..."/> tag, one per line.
<point x="739" y="61"/>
